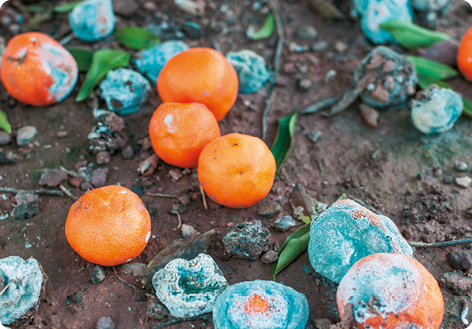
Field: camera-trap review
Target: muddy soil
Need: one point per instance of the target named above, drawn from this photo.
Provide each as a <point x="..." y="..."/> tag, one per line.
<point x="394" y="168"/>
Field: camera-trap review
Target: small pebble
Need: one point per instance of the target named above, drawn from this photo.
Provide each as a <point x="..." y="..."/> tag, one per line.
<point x="270" y="257"/>
<point x="289" y="68"/>
<point x="192" y="30"/>
<point x="127" y="152"/>
<point x="370" y="115"/>
<point x="320" y="207"/>
<point x="438" y="172"/>
<point x="61" y="134"/>
<point x="270" y="210"/>
<point x="320" y="46"/>
<point x="463" y="181"/>
<point x="304" y="84"/>
<point x="85" y="186"/>
<point x="52" y="177"/>
<point x="99" y="177"/>
<point x="461" y="166"/>
<point x="25" y="135"/>
<point x="105" y="323"/>
<point x="188" y="231"/>
<point x="284" y="224"/>
<point x="419" y="176"/>
<point x="185" y="200"/>
<point x="75" y="181"/>
<point x="125" y="7"/>
<point x="306" y="33"/>
<point x="26" y="205"/>
<point x="460" y="260"/>
<point x="314" y="137"/>
<point x="157" y="310"/>
<point x="175" y="174"/>
<point x="150" y="6"/>
<point x="77" y="297"/>
<point x="340" y="47"/>
<point x="134" y="269"/>
<point x="448" y="180"/>
<point x="103" y="157"/>
<point x="5" y="138"/>
<point x="98" y="274"/>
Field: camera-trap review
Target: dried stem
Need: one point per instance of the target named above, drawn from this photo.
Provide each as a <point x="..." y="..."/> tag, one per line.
<point x="14" y="190"/>
<point x="203" y="197"/>
<point x="130" y="285"/>
<point x="180" y="221"/>
<point x="67" y="192"/>
<point x="170" y="196"/>
<point x="204" y="317"/>
<point x="439" y="244"/>
<point x="274" y="7"/>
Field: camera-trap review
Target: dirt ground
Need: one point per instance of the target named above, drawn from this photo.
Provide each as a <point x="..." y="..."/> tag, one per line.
<point x="379" y="166"/>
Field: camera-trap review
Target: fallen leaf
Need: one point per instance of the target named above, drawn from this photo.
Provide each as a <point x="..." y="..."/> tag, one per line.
<point x="83" y="57"/>
<point x="43" y="14"/>
<point x="147" y="167"/>
<point x="313" y="108"/>
<point x="103" y="61"/>
<point x="283" y="139"/>
<point x="432" y="69"/>
<point x="66" y="7"/>
<point x="412" y="36"/>
<point x="300" y="198"/>
<point x="4" y="124"/>
<point x="295" y="245"/>
<point x="326" y="9"/>
<point x="182" y="248"/>
<point x="264" y="32"/>
<point x="136" y="38"/>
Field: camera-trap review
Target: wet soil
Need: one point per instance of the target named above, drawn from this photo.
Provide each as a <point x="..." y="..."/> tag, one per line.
<point x="379" y="166"/>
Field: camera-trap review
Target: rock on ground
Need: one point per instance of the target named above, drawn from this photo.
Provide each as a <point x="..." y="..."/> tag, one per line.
<point x="26" y="205"/>
<point x="457" y="282"/>
<point x="99" y="177"/>
<point x="105" y="323"/>
<point x="98" y="274"/>
<point x="270" y="210"/>
<point x="52" y="177"/>
<point x="25" y="135"/>
<point x="247" y="240"/>
<point x="460" y="260"/>
<point x="284" y="224"/>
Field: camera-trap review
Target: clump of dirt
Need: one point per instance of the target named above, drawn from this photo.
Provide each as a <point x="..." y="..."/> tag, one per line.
<point x="432" y="204"/>
<point x="107" y="133"/>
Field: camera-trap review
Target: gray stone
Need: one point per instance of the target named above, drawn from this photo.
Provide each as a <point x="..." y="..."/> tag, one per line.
<point x="85" y="186"/>
<point x="457" y="282"/>
<point x="124" y="91"/>
<point x="188" y="231"/>
<point x="460" y="260"/>
<point x="103" y="157"/>
<point x="125" y="7"/>
<point x="25" y="135"/>
<point x="314" y="136"/>
<point x="251" y="68"/>
<point x="99" y="177"/>
<point x="270" y="209"/>
<point x="52" y="177"/>
<point x="192" y="30"/>
<point x="26" y="205"/>
<point x="270" y="257"/>
<point x="175" y="174"/>
<point x="127" y="152"/>
<point x="320" y="46"/>
<point x="92" y="20"/>
<point x="189" y="288"/>
<point x="105" y="323"/>
<point x="151" y="61"/>
<point x="185" y="200"/>
<point x="461" y="166"/>
<point x="247" y="240"/>
<point x="463" y="181"/>
<point x="340" y="47"/>
<point x="22" y="296"/>
<point x="157" y="310"/>
<point x="448" y="180"/>
<point x="304" y="84"/>
<point x="284" y="224"/>
<point x="429" y="10"/>
<point x="287" y="307"/>
<point x="436" y="110"/>
<point x="306" y="33"/>
<point x="134" y="269"/>
<point x="320" y="207"/>
<point x="5" y="138"/>
<point x="76" y="297"/>
<point x="98" y="274"/>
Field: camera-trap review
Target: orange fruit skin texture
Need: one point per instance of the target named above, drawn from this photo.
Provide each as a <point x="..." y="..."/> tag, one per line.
<point x="200" y="75"/>
<point x="179" y="132"/>
<point x="37" y="70"/>
<point x="406" y="292"/>
<point x="464" y="55"/>
<point x="108" y="226"/>
<point x="236" y="170"/>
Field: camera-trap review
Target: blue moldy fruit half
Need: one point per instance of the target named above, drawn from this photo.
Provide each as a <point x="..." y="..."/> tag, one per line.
<point x="436" y="110"/>
<point x="347" y="232"/>
<point x="262" y="305"/>
<point x="251" y="68"/>
<point x="93" y="20"/>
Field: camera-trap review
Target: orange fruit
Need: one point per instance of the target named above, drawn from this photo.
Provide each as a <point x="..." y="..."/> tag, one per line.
<point x="108" y="226"/>
<point x="200" y="75"/>
<point x="464" y="55"/>
<point x="391" y="291"/>
<point x="236" y="170"/>
<point x="179" y="132"/>
<point x="37" y="70"/>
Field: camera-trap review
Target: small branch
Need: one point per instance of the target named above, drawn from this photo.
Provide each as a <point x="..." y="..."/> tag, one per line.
<point x="130" y="285"/>
<point x="180" y="221"/>
<point x="67" y="38"/>
<point x="439" y="244"/>
<point x="67" y="192"/>
<point x="203" y="197"/>
<point x="204" y="317"/>
<point x="14" y="190"/>
<point x="170" y="196"/>
<point x="215" y="43"/>
<point x="273" y="5"/>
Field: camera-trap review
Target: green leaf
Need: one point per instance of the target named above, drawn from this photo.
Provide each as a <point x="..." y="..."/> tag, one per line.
<point x="412" y="36"/>
<point x="295" y="245"/>
<point x="136" y="38"/>
<point x="4" y="124"/>
<point x="264" y="32"/>
<point x="83" y="57"/>
<point x="283" y="139"/>
<point x="65" y="8"/>
<point x="467" y="107"/>
<point x="39" y="8"/>
<point x="428" y="68"/>
<point x="104" y="60"/>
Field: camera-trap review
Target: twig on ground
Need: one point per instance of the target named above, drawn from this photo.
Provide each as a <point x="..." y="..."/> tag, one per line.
<point x="203" y="197"/>
<point x="215" y="43"/>
<point x="67" y="192"/>
<point x="274" y="7"/>
<point x="439" y="244"/>
<point x="180" y="221"/>
<point x="14" y="190"/>
<point x="67" y="38"/>
<point x="170" y="196"/>
<point x="132" y="286"/>
<point x="204" y="317"/>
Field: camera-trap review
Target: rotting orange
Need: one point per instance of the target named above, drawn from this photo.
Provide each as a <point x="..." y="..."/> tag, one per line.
<point x="179" y="132"/>
<point x="391" y="291"/>
<point x="236" y="170"/>
<point x="200" y="75"/>
<point x="464" y="55"/>
<point x="108" y="226"/>
<point x="37" y="70"/>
